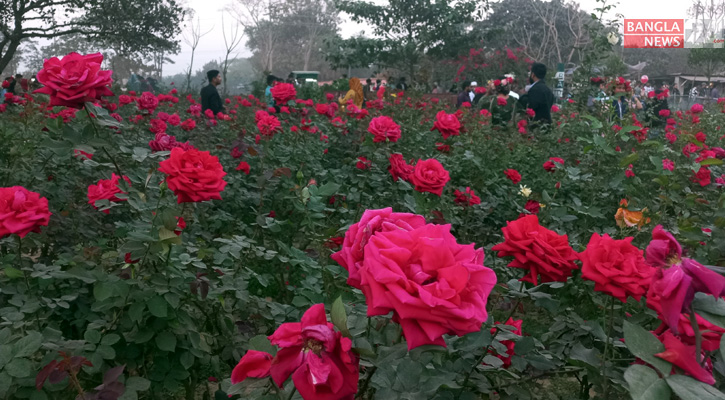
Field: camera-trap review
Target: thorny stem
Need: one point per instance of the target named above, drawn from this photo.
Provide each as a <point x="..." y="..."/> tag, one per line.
<point x="364" y="387"/>
<point x="698" y="336"/>
<point x="95" y="128"/>
<point x="292" y="393"/>
<point x="606" y="346"/>
<point x="73" y="377"/>
<point x="485" y="351"/>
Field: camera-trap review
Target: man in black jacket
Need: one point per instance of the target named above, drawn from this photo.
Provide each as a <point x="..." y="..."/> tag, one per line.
<point x="210" y="99"/>
<point x="539" y="97"/>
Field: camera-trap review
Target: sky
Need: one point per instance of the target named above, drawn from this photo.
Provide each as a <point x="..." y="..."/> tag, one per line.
<point x="211" y="47"/>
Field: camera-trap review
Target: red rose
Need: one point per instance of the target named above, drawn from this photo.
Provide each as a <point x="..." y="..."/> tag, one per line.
<point x="550" y="165"/>
<point x="244" y="166"/>
<point x="147" y="102"/>
<point x="513" y="175"/>
<point x="283" y="92"/>
<point x="696" y="108"/>
<point x="106" y="189"/>
<point x="74" y="80"/>
<point x="501" y="101"/>
<point x="531" y="113"/>
<point x="6" y="84"/>
<point x="266" y="123"/>
<point x="363" y="163"/>
<point x="188" y="125"/>
<point x="685" y="358"/>
<point x="543" y="252"/>
<point x="193" y="175"/>
<point x="320" y="360"/>
<point x="616" y="267"/>
<point x="432" y="284"/>
<point x="174" y="120"/>
<point x="399" y="168"/>
<point x="157" y="126"/>
<point x="429" y="176"/>
<point x="384" y="128"/>
<point x="124" y="99"/>
<point x="164" y="142"/>
<point x="467" y="198"/>
<point x="532" y="206"/>
<point x="254" y="364"/>
<point x="510" y="344"/>
<point x="702" y="176"/>
<point x="22" y="211"/>
<point x="443" y="148"/>
<point x="447" y="124"/>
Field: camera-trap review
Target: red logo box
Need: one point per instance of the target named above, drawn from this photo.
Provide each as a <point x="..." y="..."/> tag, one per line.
<point x="665" y="33"/>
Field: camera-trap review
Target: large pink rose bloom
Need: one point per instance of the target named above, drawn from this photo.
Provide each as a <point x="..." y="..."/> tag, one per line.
<point x="357" y="236"/>
<point x="74" y="80"/>
<point x="433" y="285"/>
<point x="320" y="360"/>
<point x="22" y="211"/>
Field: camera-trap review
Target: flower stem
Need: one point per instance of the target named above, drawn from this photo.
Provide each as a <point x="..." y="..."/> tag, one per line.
<point x="292" y="393"/>
<point x="366" y="382"/>
<point x="485" y="351"/>
<point x="95" y="128"/>
<point x="606" y="347"/>
<point x="698" y="336"/>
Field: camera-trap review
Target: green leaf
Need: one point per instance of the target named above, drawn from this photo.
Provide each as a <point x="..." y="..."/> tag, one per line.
<point x="138" y="384"/>
<point x="710" y="308"/>
<point x="339" y="317"/>
<point x="107" y="352"/>
<point x="524" y="346"/>
<point x="5" y="381"/>
<point x="328" y="189"/>
<point x="135" y="312"/>
<point x="102" y="291"/>
<point x="6" y="354"/>
<point x="19" y="368"/>
<point x="711" y="161"/>
<point x="589" y="356"/>
<point x="157" y="306"/>
<point x="13" y="273"/>
<point x="187" y="360"/>
<point x="261" y="343"/>
<point x="690" y="389"/>
<point x="92" y="336"/>
<point x="645" y="345"/>
<point x="110" y="339"/>
<point x="28" y="344"/>
<point x="166" y="341"/>
<point x="722" y="347"/>
<point x="645" y="384"/>
<point x="409" y="373"/>
<point x="632" y="157"/>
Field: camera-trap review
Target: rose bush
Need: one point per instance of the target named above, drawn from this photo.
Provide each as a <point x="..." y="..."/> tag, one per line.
<point x="163" y="295"/>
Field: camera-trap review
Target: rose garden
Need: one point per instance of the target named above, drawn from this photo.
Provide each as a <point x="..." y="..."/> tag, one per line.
<point x="407" y="250"/>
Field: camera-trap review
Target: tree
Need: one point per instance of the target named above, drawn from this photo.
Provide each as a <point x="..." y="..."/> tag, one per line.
<point x="405" y="31"/>
<point x="549" y="32"/>
<point x="192" y="40"/>
<point x="130" y="26"/>
<point x="231" y="43"/>
<point x="256" y="17"/>
<point x="708" y="61"/>
<point x="706" y="13"/>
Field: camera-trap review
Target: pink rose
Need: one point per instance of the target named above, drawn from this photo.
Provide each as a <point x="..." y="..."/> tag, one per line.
<point x="254" y="364"/>
<point x="433" y="285"/>
<point x="400" y="169"/>
<point x="358" y="235"/>
<point x="22" y="211"/>
<point x="74" y="80"/>
<point x="384" y="128"/>
<point x="320" y="360"/>
<point x="447" y="124"/>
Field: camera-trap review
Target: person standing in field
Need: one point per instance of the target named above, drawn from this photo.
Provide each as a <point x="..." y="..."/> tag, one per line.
<point x="210" y="99"/>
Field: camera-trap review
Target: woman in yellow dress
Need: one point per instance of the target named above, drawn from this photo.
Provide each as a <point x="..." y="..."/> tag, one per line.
<point x="355" y="94"/>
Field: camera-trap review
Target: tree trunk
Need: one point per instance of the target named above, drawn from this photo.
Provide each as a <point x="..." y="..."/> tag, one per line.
<point x="9" y="53"/>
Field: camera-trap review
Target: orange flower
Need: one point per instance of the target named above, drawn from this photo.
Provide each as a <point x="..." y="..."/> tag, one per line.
<point x="627" y="218"/>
